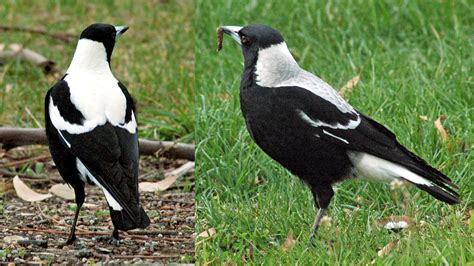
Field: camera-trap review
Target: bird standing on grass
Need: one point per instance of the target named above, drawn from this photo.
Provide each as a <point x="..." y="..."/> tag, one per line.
<point x="301" y="122"/>
<point x="92" y="130"/>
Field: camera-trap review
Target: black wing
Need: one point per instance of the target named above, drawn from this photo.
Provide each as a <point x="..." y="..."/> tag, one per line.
<point x="108" y="152"/>
<point x="325" y="120"/>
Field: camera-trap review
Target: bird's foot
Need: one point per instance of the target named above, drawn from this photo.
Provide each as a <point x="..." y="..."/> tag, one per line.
<point x="68" y="242"/>
<point x="109" y="239"/>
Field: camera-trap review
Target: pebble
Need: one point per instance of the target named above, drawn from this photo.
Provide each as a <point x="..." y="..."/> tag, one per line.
<point x="83" y="253"/>
<point x="104" y="250"/>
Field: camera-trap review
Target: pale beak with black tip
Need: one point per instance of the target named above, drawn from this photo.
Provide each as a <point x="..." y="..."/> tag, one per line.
<point x="233" y="31"/>
<point x="120" y="30"/>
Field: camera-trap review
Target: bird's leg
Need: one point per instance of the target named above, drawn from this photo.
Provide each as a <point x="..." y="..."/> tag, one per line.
<point x="317" y="220"/>
<point x="322" y="194"/>
<point x="72" y="235"/>
<point x="115" y="234"/>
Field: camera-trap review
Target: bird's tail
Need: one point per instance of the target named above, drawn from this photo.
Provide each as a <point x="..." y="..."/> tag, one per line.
<point x="448" y="196"/>
<point x="416" y="172"/>
<point x="124" y="222"/>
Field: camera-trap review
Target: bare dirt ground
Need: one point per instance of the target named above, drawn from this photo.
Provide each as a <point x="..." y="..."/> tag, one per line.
<point x="33" y="231"/>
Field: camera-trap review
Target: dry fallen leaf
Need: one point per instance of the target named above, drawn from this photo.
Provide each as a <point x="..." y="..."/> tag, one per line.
<point x="26" y="193"/>
<point x="349" y="86"/>
<point x="289" y="242"/>
<point x="441" y="130"/>
<point x="170" y="178"/>
<point x="396" y="223"/>
<point x="257" y="180"/>
<point x="385" y="250"/>
<point x="424" y="118"/>
<point x="208" y="233"/>
<point x="326" y="221"/>
<point x="12" y="239"/>
<point x="63" y="191"/>
<point x="5" y="185"/>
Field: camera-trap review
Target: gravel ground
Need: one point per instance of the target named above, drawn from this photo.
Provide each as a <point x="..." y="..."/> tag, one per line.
<point x="32" y="231"/>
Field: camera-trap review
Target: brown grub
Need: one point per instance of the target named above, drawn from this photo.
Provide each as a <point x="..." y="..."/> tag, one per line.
<point x="220" y="37"/>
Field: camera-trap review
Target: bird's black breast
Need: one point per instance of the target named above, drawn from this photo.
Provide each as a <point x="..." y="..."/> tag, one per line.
<point x="271" y="115"/>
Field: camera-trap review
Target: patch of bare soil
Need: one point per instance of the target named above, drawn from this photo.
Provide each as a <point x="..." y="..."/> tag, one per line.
<point x="33" y="231"/>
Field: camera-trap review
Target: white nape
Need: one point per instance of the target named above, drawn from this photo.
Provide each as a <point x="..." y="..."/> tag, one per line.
<point x="276" y="67"/>
<point x="84" y="173"/>
<point x="318" y="123"/>
<point x="275" y="64"/>
<point x="374" y="168"/>
<point x="89" y="56"/>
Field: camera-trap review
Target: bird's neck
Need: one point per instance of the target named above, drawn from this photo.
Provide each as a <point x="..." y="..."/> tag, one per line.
<point x="90" y="57"/>
<point x="274" y="65"/>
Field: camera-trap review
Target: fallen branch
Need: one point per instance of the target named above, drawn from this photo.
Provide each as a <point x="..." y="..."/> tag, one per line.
<point x="14" y="137"/>
<point x="27" y="160"/>
<point x="65" y="37"/>
<point x="28" y="55"/>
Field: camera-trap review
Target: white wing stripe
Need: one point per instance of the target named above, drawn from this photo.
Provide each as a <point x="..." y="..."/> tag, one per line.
<point x="336" y="137"/>
<point x="317" y="123"/>
<point x="85" y="173"/>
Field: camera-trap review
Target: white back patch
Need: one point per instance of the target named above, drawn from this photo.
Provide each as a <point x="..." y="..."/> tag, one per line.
<point x="94" y="91"/>
<point x="275" y="64"/>
<point x="377" y="169"/>
<point x="276" y="67"/>
<point x="85" y="173"/>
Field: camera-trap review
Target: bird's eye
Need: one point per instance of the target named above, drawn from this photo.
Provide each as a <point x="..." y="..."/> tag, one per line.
<point x="244" y="39"/>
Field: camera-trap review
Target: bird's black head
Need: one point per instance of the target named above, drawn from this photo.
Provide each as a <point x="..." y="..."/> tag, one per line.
<point x="105" y="33"/>
<point x="253" y="38"/>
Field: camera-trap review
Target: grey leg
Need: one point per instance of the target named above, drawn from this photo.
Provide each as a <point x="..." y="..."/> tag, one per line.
<point x="317" y="220"/>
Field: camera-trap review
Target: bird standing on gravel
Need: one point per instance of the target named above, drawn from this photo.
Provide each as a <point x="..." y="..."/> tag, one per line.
<point x="92" y="130"/>
<point x="301" y="122"/>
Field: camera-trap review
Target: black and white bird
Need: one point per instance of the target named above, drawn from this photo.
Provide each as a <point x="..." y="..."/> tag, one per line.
<point x="92" y="130"/>
<point x="301" y="122"/>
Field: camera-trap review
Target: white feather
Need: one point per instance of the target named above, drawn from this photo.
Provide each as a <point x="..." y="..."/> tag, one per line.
<point x="336" y="137"/>
<point x="378" y="169"/>
<point x="317" y="123"/>
<point x="94" y="92"/>
<point x="86" y="174"/>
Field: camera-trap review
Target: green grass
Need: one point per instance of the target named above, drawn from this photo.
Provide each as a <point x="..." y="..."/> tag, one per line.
<point x="154" y="59"/>
<point x="415" y="58"/>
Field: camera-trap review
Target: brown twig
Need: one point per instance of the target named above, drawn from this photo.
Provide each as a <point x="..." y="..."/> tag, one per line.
<point x="5" y="172"/>
<point x="157" y="232"/>
<point x="14" y="137"/>
<point x="65" y="37"/>
<point x="27" y="160"/>
<point x="28" y="55"/>
<point x="147" y="257"/>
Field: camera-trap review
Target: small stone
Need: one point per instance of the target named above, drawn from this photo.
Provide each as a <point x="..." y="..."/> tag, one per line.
<point x="104" y="250"/>
<point x="83" y="253"/>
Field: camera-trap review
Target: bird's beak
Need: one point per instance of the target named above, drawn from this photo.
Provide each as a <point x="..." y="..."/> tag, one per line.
<point x="120" y="30"/>
<point x="233" y="31"/>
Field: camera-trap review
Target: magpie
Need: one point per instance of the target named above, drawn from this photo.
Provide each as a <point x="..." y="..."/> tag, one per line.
<point x="301" y="122"/>
<point x="92" y="130"/>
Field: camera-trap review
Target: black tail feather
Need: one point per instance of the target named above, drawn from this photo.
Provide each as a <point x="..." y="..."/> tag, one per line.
<point x="450" y="197"/>
<point x="124" y="222"/>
